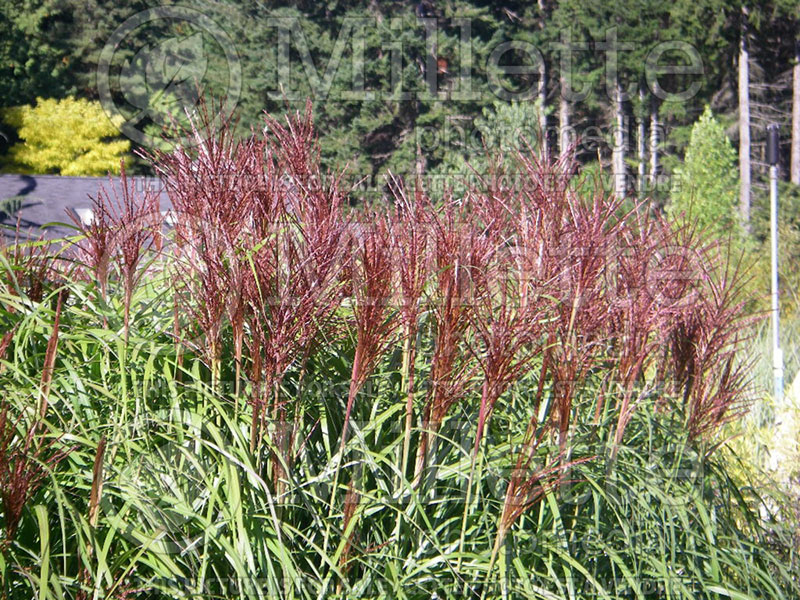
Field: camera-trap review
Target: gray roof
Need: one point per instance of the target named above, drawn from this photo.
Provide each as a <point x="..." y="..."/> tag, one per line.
<point x="50" y="198"/>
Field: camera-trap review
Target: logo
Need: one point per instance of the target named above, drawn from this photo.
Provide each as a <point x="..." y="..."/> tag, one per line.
<point x="156" y="66"/>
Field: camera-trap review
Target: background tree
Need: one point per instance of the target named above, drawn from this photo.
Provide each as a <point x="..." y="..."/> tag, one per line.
<point x="67" y="137"/>
<point x="744" y="115"/>
<point x="34" y="59"/>
<point x="603" y="75"/>
<point x="795" y="167"/>
<point x="393" y="102"/>
<point x="705" y="185"/>
<point x="501" y="130"/>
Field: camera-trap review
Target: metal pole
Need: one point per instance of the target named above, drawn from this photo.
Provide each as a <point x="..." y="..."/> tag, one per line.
<point x="777" y="353"/>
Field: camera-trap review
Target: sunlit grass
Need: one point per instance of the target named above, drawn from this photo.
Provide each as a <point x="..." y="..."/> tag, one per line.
<point x="272" y="402"/>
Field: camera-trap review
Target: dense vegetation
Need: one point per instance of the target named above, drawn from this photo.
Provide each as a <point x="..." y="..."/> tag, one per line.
<point x="427" y="89"/>
<point x="404" y="99"/>
<point x="515" y="394"/>
<point x="514" y="349"/>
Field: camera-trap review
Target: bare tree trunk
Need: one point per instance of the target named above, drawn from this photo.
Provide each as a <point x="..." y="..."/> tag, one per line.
<point x="543" y="89"/>
<point x="744" y="124"/>
<point x="795" y="167"/>
<point x="642" y="146"/>
<point x="654" y="125"/>
<point x="563" y="117"/>
<point x="542" y="111"/>
<point x="618" y="152"/>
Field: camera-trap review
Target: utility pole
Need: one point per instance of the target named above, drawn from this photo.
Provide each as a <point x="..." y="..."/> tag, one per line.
<point x="777" y="353"/>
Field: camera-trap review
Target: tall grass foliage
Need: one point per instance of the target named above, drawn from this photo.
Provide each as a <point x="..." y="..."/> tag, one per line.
<point x="517" y="393"/>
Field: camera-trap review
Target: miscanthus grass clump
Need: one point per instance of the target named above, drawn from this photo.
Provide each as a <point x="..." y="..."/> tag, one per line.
<point x="516" y="393"/>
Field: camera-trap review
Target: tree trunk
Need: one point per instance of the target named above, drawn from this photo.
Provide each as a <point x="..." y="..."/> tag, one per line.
<point x="744" y="124"/>
<point x="542" y="112"/>
<point x="654" y="125"/>
<point x="795" y="170"/>
<point x="618" y="153"/>
<point x="642" y="146"/>
<point x="543" y="89"/>
<point x="563" y="117"/>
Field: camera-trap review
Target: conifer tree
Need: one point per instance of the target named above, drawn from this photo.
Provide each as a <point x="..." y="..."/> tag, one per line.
<point x="705" y="184"/>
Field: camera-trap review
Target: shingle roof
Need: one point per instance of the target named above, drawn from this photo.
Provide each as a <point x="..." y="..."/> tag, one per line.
<point x="48" y="199"/>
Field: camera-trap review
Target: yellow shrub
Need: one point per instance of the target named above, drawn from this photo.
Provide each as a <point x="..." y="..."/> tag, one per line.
<point x="69" y="137"/>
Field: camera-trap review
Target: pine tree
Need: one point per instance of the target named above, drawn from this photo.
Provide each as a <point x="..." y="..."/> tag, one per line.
<point x="705" y="184"/>
<point x="33" y="51"/>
